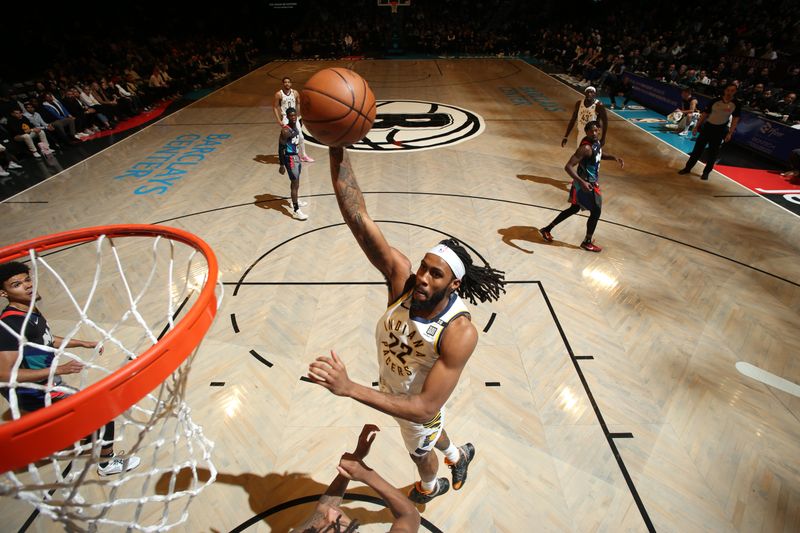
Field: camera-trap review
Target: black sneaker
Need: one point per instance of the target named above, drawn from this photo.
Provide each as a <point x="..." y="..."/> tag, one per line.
<point x="459" y="470"/>
<point x="417" y="495"/>
<point x="704" y="177"/>
<point x="684" y="171"/>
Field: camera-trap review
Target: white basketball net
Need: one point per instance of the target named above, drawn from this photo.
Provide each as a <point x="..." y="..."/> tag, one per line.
<point x="138" y="291"/>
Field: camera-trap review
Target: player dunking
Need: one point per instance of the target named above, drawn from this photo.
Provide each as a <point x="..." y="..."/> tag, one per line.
<point x="285" y="98"/>
<point x="587" y="110"/>
<point x="585" y="190"/>
<point x="424" y="339"/>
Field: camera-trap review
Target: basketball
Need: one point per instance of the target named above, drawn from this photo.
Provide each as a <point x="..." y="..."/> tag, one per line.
<point x="337" y="106"/>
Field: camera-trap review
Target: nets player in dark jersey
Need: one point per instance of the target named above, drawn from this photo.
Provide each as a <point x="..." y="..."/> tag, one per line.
<point x="714" y="130"/>
<point x="38" y="356"/>
<point x="289" y="158"/>
<point x="329" y="517"/>
<point x="585" y="190"/>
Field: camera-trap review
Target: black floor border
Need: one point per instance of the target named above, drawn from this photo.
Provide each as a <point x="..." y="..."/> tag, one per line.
<point x="35" y="512"/>
<point x="490" y="199"/>
<point x="609" y="436"/>
<point x="314" y="498"/>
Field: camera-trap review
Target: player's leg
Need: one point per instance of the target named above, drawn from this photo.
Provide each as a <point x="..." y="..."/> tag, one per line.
<point x="683" y="124"/>
<point x="420" y="440"/>
<point x="591" y="225"/>
<point x="699" y="146"/>
<point x="561" y="217"/>
<point x="714" y="144"/>
<point x="293" y="168"/>
<point x="107" y="465"/>
<point x="457" y="458"/>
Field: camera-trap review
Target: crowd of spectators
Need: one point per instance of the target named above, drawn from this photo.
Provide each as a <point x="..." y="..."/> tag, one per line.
<point x="755" y="44"/>
<point x="78" y="96"/>
<point x="97" y="81"/>
<point x="701" y="46"/>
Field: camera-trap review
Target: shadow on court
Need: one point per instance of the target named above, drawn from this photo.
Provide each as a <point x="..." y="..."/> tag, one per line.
<point x="270" y="159"/>
<point x="544" y="180"/>
<point x="531" y="235"/>
<point x="274" y="203"/>
<point x="282" y="501"/>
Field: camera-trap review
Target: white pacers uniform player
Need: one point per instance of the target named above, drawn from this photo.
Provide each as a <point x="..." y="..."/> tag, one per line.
<point x="287" y="101"/>
<point x="586" y="114"/>
<point x="407" y="349"/>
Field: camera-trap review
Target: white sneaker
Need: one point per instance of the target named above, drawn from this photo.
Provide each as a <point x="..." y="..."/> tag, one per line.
<point x="36" y="155"/>
<point x="684" y="133"/>
<point x="12" y="165"/>
<point x="299" y="215"/>
<point x="3" y="173"/>
<point x="306" y="159"/>
<point x="117" y="466"/>
<point x="301" y="203"/>
<point x="80" y="136"/>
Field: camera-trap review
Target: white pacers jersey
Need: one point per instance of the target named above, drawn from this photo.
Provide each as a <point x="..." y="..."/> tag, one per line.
<point x="287" y="101"/>
<point x="585" y="115"/>
<point x="408" y="347"/>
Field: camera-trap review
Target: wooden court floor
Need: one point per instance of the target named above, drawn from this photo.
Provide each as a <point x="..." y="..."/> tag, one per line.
<point x="604" y="393"/>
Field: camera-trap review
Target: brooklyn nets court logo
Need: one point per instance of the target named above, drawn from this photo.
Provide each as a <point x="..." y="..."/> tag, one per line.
<point x="417" y="125"/>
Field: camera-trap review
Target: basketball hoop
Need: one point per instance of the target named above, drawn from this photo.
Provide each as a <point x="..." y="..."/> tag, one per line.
<point x="139" y="378"/>
<point x="394" y="4"/>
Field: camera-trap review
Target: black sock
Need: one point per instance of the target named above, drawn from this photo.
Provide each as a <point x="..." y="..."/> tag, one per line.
<point x="104" y="464"/>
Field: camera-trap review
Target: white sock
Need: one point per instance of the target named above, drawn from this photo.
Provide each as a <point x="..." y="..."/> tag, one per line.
<point x="428" y="486"/>
<point x="452" y="453"/>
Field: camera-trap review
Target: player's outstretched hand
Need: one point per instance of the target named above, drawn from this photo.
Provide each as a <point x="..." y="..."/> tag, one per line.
<point x="331" y="373"/>
<point x="368" y="434"/>
<point x="352" y="467"/>
<point x="70" y="367"/>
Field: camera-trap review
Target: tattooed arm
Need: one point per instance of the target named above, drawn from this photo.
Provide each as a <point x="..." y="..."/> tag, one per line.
<point x="391" y="263"/>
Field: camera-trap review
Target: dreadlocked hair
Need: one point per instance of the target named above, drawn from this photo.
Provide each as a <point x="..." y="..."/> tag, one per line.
<point x="482" y="283"/>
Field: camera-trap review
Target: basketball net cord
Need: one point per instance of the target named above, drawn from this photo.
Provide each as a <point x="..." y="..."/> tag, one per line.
<point x="175" y="454"/>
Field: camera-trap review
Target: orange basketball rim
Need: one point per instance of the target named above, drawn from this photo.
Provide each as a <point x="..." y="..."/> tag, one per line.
<point x="40" y="433"/>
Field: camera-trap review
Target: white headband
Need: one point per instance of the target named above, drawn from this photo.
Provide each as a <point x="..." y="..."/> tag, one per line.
<point x="589" y="88"/>
<point x="450" y="257"/>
